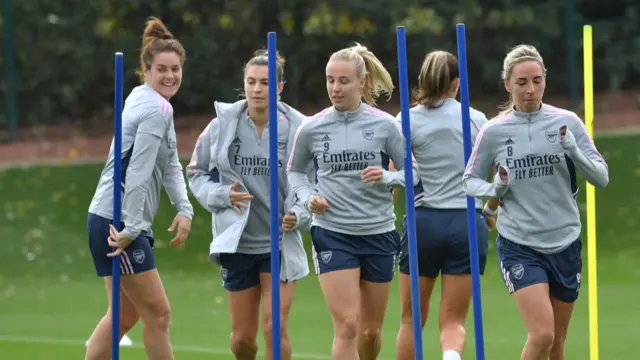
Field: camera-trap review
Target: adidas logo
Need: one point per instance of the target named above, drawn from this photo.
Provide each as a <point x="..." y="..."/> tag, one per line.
<point x="509" y="142"/>
<point x="326" y="138"/>
<point x="237" y="140"/>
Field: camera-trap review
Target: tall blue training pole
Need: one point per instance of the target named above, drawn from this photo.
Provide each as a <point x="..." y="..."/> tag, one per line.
<point x="117" y="194"/>
<point x="409" y="194"/>
<point x="471" y="203"/>
<point x="273" y="164"/>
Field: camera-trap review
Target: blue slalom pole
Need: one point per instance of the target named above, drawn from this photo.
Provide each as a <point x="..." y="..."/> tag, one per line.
<point x="273" y="164"/>
<point x="411" y="210"/>
<point x="471" y="203"/>
<point x="117" y="199"/>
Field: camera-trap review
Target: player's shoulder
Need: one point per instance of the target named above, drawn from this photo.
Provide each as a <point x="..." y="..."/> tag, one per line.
<point x="412" y="114"/>
<point x="501" y="120"/>
<point x="226" y="113"/>
<point x="212" y="127"/>
<point x="561" y="114"/>
<point x="145" y="107"/>
<point x="375" y="113"/>
<point x="417" y="110"/>
<point x="319" y="115"/>
<point x="423" y="116"/>
<point x="380" y="118"/>
<point x="313" y="121"/>
<point x="149" y="103"/>
<point x="163" y="107"/>
<point x="497" y="126"/>
<point x="477" y="114"/>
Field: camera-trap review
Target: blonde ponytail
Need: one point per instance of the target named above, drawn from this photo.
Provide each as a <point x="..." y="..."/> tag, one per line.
<point x="377" y="82"/>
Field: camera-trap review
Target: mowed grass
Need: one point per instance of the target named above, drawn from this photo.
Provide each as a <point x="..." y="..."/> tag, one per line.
<point x="50" y="299"/>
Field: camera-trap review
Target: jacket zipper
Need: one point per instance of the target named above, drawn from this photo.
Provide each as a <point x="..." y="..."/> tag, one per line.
<point x="529" y="129"/>
<point x="346" y="132"/>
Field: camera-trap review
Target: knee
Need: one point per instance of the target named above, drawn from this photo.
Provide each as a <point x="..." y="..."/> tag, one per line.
<point x="242" y="342"/>
<point x="346" y="329"/>
<point x="543" y="338"/>
<point x="558" y="341"/>
<point x="158" y="317"/>
<point x="370" y="333"/>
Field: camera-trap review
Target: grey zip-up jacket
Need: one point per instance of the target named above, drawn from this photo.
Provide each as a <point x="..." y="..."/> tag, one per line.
<point x="341" y="144"/>
<point x="149" y="162"/>
<point x="538" y="203"/>
<point x="437" y="145"/>
<point x="210" y="177"/>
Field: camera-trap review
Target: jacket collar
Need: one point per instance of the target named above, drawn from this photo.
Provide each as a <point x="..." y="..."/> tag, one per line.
<point x="348" y="115"/>
<point x="528" y="116"/>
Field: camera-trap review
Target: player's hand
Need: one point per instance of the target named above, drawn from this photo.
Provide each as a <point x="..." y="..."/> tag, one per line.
<point x="567" y="140"/>
<point x="238" y="198"/>
<point x="504" y="177"/>
<point x="183" y="226"/>
<point x="289" y="221"/>
<point x="490" y="214"/>
<point x="372" y="174"/>
<point x="318" y="205"/>
<point x="117" y="240"/>
<point x="563" y="132"/>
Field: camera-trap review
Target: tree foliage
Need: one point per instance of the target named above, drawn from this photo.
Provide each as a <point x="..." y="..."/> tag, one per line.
<point x="64" y="49"/>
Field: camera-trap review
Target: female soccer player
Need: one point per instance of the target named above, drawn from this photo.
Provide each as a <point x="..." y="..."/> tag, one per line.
<point x="537" y="149"/>
<point x="441" y="207"/>
<point x="229" y="175"/>
<point x="149" y="162"/>
<point x="353" y="232"/>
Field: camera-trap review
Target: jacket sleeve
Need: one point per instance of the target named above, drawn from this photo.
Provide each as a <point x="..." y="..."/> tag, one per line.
<point x="303" y="216"/>
<point x="396" y="150"/>
<point x="585" y="156"/>
<point x="474" y="181"/>
<point x="176" y="187"/>
<point x="147" y="142"/>
<point x="205" y="183"/>
<point x="300" y="160"/>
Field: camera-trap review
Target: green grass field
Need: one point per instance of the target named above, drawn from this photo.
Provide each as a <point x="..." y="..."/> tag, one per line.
<point x="50" y="299"/>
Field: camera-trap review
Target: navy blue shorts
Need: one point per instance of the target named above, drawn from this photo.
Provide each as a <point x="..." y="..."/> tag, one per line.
<point x="443" y="242"/>
<point x="242" y="271"/>
<point x="522" y="266"/>
<point x="136" y="258"/>
<point x="374" y="255"/>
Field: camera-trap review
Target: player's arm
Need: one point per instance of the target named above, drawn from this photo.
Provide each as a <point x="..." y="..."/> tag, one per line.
<point x="176" y="187"/>
<point x="147" y="142"/>
<point x="205" y="183"/>
<point x="585" y="156"/>
<point x="298" y="165"/>
<point x="478" y="120"/>
<point x="303" y="215"/>
<point x="299" y="208"/>
<point x="474" y="181"/>
<point x="491" y="207"/>
<point x="395" y="149"/>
